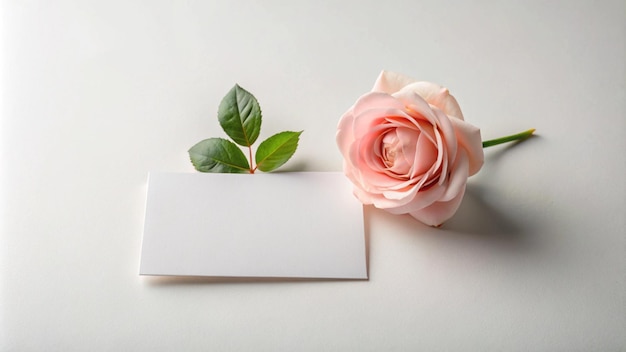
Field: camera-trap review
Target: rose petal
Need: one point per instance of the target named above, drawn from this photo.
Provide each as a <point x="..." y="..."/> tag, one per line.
<point x="438" y="96"/>
<point x="438" y="212"/>
<point x="373" y="179"/>
<point x="448" y="150"/>
<point x="425" y="155"/>
<point x="448" y="132"/>
<point x="345" y="136"/>
<point x="418" y="123"/>
<point x="451" y="107"/>
<point x="376" y="100"/>
<point x="409" y="148"/>
<point x="427" y="90"/>
<point x="415" y="105"/>
<point x="362" y="196"/>
<point x="458" y="177"/>
<point x="427" y="129"/>
<point x="441" y="152"/>
<point x="391" y="82"/>
<point x="468" y="137"/>
<point x="418" y="200"/>
<point x="369" y="148"/>
<point x="405" y="150"/>
<point x="371" y="119"/>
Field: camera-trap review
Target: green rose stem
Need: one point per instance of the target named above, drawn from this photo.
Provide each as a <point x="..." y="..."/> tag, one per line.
<point x="250" y="153"/>
<point x="511" y="138"/>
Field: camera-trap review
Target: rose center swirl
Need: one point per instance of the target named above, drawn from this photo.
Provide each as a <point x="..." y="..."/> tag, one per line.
<point x="393" y="152"/>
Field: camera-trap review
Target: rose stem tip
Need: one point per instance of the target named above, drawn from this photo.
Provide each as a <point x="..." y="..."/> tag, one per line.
<point x="511" y="138"/>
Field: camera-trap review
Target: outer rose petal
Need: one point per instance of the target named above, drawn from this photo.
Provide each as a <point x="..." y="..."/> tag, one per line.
<point x="344" y="136"/>
<point x="458" y="177"/>
<point x="469" y="139"/>
<point x="420" y="200"/>
<point x="391" y="82"/>
<point x="376" y="100"/>
<point x="438" y="96"/>
<point x="438" y="212"/>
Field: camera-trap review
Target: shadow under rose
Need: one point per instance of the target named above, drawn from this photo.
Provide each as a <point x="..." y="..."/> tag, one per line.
<point x="477" y="218"/>
<point x="479" y="221"/>
<point x="494" y="154"/>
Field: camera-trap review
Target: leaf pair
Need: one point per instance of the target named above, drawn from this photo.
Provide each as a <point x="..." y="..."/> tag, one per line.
<point x="239" y="115"/>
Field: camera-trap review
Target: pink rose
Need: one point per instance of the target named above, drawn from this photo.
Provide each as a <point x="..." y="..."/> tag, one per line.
<point x="407" y="149"/>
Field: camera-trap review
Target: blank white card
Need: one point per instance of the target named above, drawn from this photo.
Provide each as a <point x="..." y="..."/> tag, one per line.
<point x="293" y="224"/>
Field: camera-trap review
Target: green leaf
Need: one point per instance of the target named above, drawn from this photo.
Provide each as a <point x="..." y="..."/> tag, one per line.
<point x="239" y="114"/>
<point x="218" y="155"/>
<point x="276" y="150"/>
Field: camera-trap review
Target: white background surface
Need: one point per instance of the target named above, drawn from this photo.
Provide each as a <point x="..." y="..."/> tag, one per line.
<point x="95" y="94"/>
